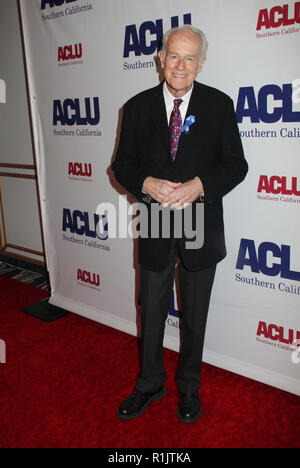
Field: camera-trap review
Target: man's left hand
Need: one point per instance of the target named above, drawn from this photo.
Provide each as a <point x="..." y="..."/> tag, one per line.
<point x="184" y="195"/>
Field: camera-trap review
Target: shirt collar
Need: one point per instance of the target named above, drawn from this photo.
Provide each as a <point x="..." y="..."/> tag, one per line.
<point x="169" y="98"/>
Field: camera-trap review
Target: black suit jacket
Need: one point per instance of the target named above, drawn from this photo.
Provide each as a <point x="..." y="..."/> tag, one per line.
<point x="212" y="150"/>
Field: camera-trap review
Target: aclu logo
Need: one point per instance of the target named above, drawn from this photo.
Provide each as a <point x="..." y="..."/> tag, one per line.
<point x="54" y="3"/>
<point x="144" y="40"/>
<point x="262" y="259"/>
<point x="278" y="333"/>
<point x="280" y="337"/>
<point x="279" y="189"/>
<point x="70" y="54"/>
<point x="89" y="279"/>
<point x="71" y="8"/>
<point x="83" y="224"/>
<point x="76" y="112"/>
<point x="279" y="185"/>
<point x="80" y="171"/>
<point x="271" y="104"/>
<point x="278" y="16"/>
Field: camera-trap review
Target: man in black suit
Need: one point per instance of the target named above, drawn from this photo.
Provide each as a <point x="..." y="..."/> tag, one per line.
<point x="161" y="164"/>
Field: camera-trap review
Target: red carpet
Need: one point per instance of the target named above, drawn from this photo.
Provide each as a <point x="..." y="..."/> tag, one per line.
<point x="63" y="382"/>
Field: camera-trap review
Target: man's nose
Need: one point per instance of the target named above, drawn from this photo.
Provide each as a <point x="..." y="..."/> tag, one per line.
<point x="180" y="64"/>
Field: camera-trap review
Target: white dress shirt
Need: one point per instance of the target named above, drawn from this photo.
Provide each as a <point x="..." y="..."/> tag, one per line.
<point x="169" y="102"/>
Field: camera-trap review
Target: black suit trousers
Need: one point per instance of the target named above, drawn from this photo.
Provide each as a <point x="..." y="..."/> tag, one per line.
<point x="155" y="295"/>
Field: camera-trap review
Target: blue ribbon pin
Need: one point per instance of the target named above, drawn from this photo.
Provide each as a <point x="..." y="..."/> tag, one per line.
<point x="188" y="122"/>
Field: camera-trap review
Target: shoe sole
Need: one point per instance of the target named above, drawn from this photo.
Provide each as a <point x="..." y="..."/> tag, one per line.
<point x="156" y="397"/>
<point x="189" y="420"/>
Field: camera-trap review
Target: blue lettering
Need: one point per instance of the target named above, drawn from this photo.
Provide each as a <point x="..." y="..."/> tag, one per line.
<point x="139" y="42"/>
<point x="247" y="256"/>
<point x="67" y="221"/>
<point x="247" y="247"/>
<point x="79" y="223"/>
<point x="172" y="310"/>
<point x="263" y="94"/>
<point x="257" y="110"/>
<point x="54" y="3"/>
<point x="69" y="118"/>
<point x="69" y="113"/>
<point x="87" y="231"/>
<point x="187" y="19"/>
<point x="288" y="114"/>
<point x="96" y="119"/>
<point x="286" y="271"/>
<point x="78" y="216"/>
<point x="246" y="95"/>
<point x="131" y="41"/>
<point x="263" y="250"/>
<point x="58" y="113"/>
<point x="151" y="48"/>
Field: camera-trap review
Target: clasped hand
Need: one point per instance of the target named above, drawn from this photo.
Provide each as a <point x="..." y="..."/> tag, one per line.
<point x="176" y="195"/>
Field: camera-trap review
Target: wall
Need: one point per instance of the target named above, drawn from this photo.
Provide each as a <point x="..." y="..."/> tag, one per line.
<point x="19" y="221"/>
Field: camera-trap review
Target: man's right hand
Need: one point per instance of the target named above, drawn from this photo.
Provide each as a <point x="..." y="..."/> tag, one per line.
<point x="159" y="188"/>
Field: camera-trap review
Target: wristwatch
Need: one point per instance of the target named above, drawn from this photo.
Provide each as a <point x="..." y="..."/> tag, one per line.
<point x="146" y="198"/>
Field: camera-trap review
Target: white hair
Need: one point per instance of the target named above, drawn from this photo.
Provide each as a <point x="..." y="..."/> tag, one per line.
<point x="186" y="27"/>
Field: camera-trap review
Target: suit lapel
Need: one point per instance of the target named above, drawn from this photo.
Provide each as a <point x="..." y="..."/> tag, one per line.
<point x="159" y="116"/>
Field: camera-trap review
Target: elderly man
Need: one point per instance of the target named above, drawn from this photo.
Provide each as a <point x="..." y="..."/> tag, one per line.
<point x="159" y="163"/>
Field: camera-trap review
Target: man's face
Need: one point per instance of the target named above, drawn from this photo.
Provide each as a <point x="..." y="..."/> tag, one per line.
<point x="182" y="61"/>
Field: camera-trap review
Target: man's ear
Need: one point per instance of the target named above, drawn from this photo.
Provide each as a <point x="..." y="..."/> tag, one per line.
<point x="161" y="59"/>
<point x="201" y="65"/>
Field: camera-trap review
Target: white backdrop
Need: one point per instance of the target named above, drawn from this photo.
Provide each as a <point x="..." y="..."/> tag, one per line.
<point x="85" y="58"/>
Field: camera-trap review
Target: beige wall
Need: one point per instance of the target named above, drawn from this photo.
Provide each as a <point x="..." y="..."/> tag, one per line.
<point x="19" y="220"/>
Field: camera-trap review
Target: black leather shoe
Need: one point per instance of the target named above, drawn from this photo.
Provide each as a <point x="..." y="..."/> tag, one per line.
<point x="189" y="408"/>
<point x="137" y="403"/>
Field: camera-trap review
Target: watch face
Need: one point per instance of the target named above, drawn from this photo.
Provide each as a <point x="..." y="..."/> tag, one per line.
<point x="147" y="198"/>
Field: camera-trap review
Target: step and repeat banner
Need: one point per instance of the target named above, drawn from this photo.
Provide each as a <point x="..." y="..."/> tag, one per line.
<point x="85" y="59"/>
